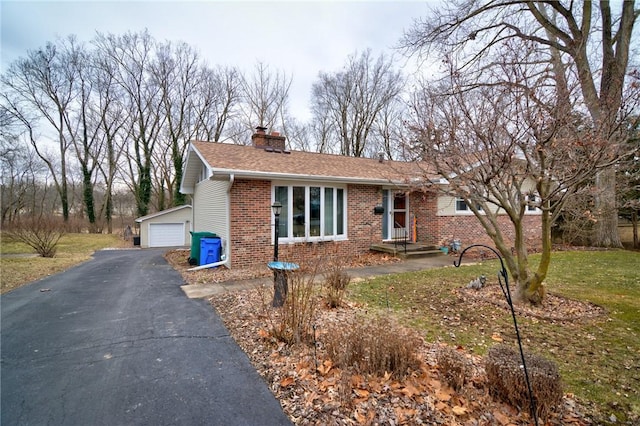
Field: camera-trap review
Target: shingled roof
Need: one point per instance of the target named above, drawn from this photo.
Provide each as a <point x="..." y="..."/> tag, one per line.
<point x="242" y="161"/>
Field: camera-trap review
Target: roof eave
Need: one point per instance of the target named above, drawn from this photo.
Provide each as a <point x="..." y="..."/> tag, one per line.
<point x="161" y="213"/>
<point x="250" y="174"/>
<point x="189" y="177"/>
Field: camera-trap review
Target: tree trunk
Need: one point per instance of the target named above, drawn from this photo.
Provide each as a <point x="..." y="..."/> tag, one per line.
<point x="634" y="224"/>
<point x="144" y="191"/>
<point x="108" y="211"/>
<point x="532" y="290"/>
<point x="64" y="197"/>
<point x="63" y="188"/>
<point x="87" y="193"/>
<point x="179" y="198"/>
<point x="606" y="228"/>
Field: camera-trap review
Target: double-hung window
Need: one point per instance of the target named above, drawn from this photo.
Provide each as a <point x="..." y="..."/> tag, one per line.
<point x="533" y="201"/>
<point x="462" y="207"/>
<point x="311" y="212"/>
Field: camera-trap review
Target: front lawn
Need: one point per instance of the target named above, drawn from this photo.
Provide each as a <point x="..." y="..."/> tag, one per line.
<point x="20" y="264"/>
<point x="590" y="324"/>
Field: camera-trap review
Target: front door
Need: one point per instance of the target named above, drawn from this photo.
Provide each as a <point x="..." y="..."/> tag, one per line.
<point x="396" y="211"/>
<point x="399" y="216"/>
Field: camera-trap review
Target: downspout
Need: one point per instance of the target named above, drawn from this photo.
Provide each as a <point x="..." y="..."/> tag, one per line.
<point x="232" y="179"/>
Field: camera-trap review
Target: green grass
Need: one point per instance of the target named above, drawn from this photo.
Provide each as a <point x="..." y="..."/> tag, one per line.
<point x="599" y="358"/>
<point x="72" y="249"/>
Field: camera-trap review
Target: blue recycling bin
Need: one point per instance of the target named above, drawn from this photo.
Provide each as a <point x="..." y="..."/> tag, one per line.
<point x="210" y="248"/>
<point x="194" y="257"/>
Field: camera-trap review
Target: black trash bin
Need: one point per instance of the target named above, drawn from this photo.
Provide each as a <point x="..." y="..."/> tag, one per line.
<point x="281" y="272"/>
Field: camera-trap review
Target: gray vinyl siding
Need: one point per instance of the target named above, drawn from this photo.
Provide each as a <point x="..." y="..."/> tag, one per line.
<point x="211" y="208"/>
<point x="447" y="203"/>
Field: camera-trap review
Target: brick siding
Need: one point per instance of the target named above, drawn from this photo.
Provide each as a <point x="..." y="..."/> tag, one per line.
<point x="469" y="231"/>
<point x="424" y="206"/>
<point x="252" y="232"/>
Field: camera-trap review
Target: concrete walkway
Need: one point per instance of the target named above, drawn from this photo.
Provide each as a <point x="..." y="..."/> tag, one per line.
<point x="199" y="291"/>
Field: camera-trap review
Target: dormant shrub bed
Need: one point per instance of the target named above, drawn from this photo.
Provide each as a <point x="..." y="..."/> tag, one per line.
<point x="352" y="365"/>
<point x="317" y="388"/>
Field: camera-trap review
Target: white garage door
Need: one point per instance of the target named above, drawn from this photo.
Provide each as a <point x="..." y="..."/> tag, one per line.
<point x="166" y="234"/>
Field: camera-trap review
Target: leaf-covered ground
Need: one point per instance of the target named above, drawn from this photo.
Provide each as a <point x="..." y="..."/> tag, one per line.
<point x="589" y="324"/>
<point x="313" y="390"/>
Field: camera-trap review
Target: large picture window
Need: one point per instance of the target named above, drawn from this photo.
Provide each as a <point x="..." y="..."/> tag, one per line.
<point x="311" y="212"/>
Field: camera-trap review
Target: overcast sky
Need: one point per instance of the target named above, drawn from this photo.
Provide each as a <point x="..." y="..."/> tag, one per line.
<point x="300" y="38"/>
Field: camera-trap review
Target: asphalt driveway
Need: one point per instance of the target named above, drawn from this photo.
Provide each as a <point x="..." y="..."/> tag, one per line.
<point x="114" y="341"/>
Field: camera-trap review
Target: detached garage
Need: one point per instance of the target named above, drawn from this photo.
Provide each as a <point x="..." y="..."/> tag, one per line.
<point x="168" y="228"/>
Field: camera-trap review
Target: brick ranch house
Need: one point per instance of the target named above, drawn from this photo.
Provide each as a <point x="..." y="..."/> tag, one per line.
<point x="331" y="204"/>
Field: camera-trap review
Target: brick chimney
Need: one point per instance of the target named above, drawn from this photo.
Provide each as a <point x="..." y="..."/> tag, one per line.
<point x="262" y="140"/>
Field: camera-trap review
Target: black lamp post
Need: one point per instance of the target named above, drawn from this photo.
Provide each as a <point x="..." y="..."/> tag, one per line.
<point x="276" y="207"/>
<point x="279" y="276"/>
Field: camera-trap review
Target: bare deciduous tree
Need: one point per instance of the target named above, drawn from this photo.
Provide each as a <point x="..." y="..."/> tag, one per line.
<point x="629" y="180"/>
<point x="176" y="71"/>
<point x="84" y="129"/>
<point x="264" y="101"/>
<point x="219" y="94"/>
<point x="40" y="89"/>
<point x="353" y="99"/>
<point x="390" y="131"/>
<point x="588" y="38"/>
<point x="321" y="131"/>
<point x="109" y="113"/>
<point x="133" y="55"/>
<point x="20" y="169"/>
<point x="509" y="151"/>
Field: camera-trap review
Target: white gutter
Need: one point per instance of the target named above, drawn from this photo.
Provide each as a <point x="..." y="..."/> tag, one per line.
<point x="289" y="176"/>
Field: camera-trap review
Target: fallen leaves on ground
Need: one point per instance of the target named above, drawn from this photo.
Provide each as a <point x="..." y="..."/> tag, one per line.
<point x="554" y="307"/>
<point x="314" y="391"/>
<point x="179" y="259"/>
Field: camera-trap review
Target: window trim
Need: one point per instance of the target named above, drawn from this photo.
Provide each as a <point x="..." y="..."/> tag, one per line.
<point x="204" y="174"/>
<point x="467" y="210"/>
<point x="307" y="185"/>
<point x="532" y="209"/>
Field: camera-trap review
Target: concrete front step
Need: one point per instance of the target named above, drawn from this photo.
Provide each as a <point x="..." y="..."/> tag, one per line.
<point x="418" y="254"/>
<point x="413" y="250"/>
